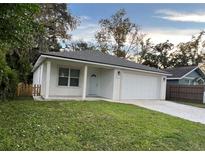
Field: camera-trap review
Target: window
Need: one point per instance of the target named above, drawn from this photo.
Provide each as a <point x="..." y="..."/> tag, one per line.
<point x="63" y="76"/>
<point x="74" y="77"/>
<point x="68" y="77"/>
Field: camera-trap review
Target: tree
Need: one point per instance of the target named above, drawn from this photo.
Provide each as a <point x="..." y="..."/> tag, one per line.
<point x="189" y="53"/>
<point x="145" y="46"/>
<point x="165" y="55"/>
<point x="80" y="46"/>
<point x="118" y="35"/>
<point x="17" y="25"/>
<point x="147" y="55"/>
<point x="162" y="51"/>
<point x="55" y="21"/>
<point x="58" y="22"/>
<point x="18" y="59"/>
<point x="156" y="55"/>
<point x="17" y="29"/>
<point x="8" y="80"/>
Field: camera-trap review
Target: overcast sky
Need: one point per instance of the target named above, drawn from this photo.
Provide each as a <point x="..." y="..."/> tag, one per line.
<point x="161" y="22"/>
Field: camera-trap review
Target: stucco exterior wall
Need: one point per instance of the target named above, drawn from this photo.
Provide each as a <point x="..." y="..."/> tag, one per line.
<point x="43" y="84"/>
<point x="116" y="84"/>
<point x="163" y="87"/>
<point x="36" y="76"/>
<point x="55" y="90"/>
<point x="106" y="82"/>
<point x="39" y="77"/>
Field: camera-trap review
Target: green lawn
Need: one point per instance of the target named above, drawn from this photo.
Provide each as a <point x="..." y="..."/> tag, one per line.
<point x="93" y="125"/>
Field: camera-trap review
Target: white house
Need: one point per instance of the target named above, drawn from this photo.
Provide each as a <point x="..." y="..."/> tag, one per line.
<point x="94" y="74"/>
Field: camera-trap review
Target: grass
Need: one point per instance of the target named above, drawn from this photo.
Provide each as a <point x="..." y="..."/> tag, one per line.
<point x="93" y="125"/>
<point x="191" y="103"/>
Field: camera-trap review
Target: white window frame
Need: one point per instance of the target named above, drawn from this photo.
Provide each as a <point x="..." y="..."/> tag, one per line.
<point x="63" y="76"/>
<point x="74" y="77"/>
<point x="69" y="76"/>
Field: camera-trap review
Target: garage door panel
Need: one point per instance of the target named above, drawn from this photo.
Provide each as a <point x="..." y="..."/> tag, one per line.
<point x="135" y="86"/>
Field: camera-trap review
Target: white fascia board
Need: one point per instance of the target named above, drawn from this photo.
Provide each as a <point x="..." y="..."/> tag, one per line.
<point x="100" y="64"/>
<point x="38" y="63"/>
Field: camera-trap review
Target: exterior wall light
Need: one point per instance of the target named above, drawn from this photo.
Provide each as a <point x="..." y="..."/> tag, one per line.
<point x="118" y="73"/>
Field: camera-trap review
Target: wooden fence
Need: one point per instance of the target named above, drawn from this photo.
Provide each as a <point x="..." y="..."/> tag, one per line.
<point x="28" y="90"/>
<point x="185" y="92"/>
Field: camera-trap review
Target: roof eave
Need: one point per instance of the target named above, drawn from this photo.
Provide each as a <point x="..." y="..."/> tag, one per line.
<point x="44" y="55"/>
<point x="39" y="61"/>
<point x="179" y="78"/>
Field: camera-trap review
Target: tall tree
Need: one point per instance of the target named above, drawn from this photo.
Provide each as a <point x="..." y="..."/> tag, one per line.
<point x="58" y="22"/>
<point x="118" y="35"/>
<point x="17" y="30"/>
<point x="156" y="55"/>
<point x="145" y="46"/>
<point x="162" y="51"/>
<point x="18" y="59"/>
<point x="17" y="25"/>
<point x="80" y="45"/>
<point x="147" y="56"/>
<point x="189" y="53"/>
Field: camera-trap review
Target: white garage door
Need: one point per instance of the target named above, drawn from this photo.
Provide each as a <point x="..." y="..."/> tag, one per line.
<point x="135" y="86"/>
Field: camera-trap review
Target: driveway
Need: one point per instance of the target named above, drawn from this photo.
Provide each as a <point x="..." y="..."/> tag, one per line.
<point x="179" y="110"/>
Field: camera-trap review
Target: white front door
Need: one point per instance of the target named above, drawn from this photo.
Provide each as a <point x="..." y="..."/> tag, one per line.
<point x="93" y="84"/>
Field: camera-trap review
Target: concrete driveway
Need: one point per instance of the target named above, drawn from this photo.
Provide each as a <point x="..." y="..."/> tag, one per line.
<point x="179" y="110"/>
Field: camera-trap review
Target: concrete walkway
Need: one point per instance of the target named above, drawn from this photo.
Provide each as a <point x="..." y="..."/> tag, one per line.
<point x="179" y="110"/>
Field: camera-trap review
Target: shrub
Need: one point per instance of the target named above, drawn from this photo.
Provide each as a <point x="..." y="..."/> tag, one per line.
<point x="8" y="80"/>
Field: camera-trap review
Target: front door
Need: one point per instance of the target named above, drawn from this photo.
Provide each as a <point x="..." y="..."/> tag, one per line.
<point x="93" y="84"/>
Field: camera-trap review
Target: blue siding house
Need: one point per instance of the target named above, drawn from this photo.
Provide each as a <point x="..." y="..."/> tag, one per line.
<point x="189" y="75"/>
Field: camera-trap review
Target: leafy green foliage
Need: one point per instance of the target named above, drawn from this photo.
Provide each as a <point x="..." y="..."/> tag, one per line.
<point x="17" y="25"/>
<point x="58" y="22"/>
<point x="18" y="59"/>
<point x="8" y="79"/>
<point x="17" y="30"/>
<point x="156" y="55"/>
<point x="93" y="125"/>
<point x="189" y="53"/>
<point x="24" y="30"/>
<point x="165" y="54"/>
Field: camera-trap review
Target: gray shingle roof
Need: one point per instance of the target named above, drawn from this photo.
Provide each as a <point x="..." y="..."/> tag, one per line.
<point x="179" y="72"/>
<point x="99" y="57"/>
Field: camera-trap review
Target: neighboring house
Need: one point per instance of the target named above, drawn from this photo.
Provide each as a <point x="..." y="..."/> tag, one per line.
<point x="95" y="74"/>
<point x="189" y="75"/>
